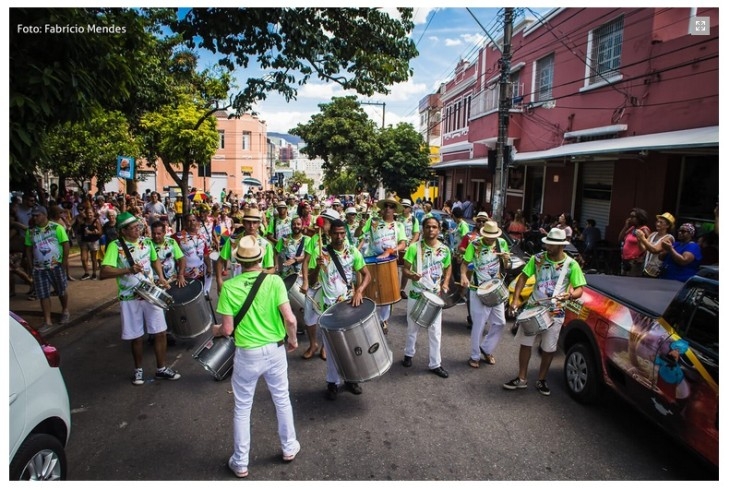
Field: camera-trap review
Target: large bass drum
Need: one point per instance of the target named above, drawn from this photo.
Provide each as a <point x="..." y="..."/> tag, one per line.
<point x="384" y="287"/>
<point x="190" y="314"/>
<point x="215" y="354"/>
<point x="355" y="341"/>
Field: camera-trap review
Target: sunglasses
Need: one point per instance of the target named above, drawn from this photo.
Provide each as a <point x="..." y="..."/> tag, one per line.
<point x="391" y="206"/>
<point x="481" y="221"/>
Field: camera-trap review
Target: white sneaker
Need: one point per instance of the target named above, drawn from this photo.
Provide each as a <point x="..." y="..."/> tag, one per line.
<point x="138" y="377"/>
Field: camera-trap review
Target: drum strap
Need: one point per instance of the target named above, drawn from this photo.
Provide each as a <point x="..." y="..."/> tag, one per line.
<point x="249" y="299"/>
<point x="127" y="253"/>
<point x="336" y="260"/>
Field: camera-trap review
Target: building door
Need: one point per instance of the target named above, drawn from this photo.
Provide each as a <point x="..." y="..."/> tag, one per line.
<point x="534" y="186"/>
<point x="595" y="192"/>
<point x="218" y="182"/>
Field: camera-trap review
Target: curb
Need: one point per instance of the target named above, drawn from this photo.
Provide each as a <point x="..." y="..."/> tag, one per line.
<point x="57" y="327"/>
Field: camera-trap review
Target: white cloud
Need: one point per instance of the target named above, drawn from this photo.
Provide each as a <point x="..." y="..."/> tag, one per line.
<point x="405" y="91"/>
<point x="320" y="91"/>
<point x="452" y="42"/>
<point x="433" y="38"/>
<point x="473" y="39"/>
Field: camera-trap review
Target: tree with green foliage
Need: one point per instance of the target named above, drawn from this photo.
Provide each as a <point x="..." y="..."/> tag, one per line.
<point x="344" y="137"/>
<point x="350" y="144"/>
<point x="403" y="159"/>
<point x="58" y="77"/>
<point x="89" y="148"/>
<point x="363" y="49"/>
<point x="180" y="135"/>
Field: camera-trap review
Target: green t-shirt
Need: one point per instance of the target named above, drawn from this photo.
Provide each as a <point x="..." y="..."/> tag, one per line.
<point x="47" y="243"/>
<point x="411" y="226"/>
<point x="334" y="288"/>
<point x="434" y="261"/>
<point x="168" y="252"/>
<point x="547" y="276"/>
<point x="268" y="260"/>
<point x="262" y="324"/>
<point x="287" y="248"/>
<point x="383" y="235"/>
<point x="485" y="259"/>
<point x="143" y="252"/>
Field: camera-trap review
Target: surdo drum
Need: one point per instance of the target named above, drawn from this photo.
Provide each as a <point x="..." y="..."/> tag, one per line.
<point x="534" y="320"/>
<point x="384" y="287"/>
<point x="215" y="354"/>
<point x="426" y="309"/>
<point x="355" y="341"/>
<point x="293" y="282"/>
<point x="189" y="315"/>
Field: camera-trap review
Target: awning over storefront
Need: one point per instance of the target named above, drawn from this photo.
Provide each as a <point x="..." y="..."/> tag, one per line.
<point x="476" y="162"/>
<point x="688" y="138"/>
<point x="251" y="181"/>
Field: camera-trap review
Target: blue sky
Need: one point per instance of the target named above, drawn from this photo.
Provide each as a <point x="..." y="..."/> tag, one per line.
<point x="443" y="36"/>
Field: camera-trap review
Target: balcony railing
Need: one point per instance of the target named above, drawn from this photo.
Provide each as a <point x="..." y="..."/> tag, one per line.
<point x="488" y="99"/>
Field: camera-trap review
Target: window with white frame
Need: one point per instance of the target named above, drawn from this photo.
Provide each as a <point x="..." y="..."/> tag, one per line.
<point x="221" y="139"/>
<point x="606" y="43"/>
<point x="544" y="78"/>
<point x="246" y="140"/>
<point x="456" y="114"/>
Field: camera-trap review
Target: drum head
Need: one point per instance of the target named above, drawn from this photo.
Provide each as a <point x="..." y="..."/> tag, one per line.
<point x="185" y="294"/>
<point x="375" y="260"/>
<point x="532" y="312"/>
<point x="344" y="316"/>
<point x="433" y="298"/>
<point x="491" y="284"/>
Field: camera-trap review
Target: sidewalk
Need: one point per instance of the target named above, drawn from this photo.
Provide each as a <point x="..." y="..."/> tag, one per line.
<point x="86" y="298"/>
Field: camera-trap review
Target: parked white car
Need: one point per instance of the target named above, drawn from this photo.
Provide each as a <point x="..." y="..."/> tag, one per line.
<point x="39" y="416"/>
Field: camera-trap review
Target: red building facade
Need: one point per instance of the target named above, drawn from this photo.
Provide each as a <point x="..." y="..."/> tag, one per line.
<point x="612" y="108"/>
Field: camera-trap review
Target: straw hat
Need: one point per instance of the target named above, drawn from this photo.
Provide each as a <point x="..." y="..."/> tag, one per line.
<point x="251" y="214"/>
<point x="555" y="236"/>
<point x="389" y="200"/>
<point x="248" y="249"/>
<point x="667" y="216"/>
<point x="490" y="230"/>
<point x="482" y="214"/>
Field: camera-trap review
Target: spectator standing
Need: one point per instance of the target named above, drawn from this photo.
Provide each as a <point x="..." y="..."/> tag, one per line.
<point x="632" y="255"/>
<point x="46" y="248"/>
<point x="89" y="233"/>
<point x="653" y="260"/>
<point x="683" y="257"/>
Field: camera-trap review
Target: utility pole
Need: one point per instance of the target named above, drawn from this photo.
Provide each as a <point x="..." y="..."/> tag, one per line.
<point x="381" y="191"/>
<point x="499" y="182"/>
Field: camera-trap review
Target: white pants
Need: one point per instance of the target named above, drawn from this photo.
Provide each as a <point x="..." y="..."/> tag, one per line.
<point x="384" y="312"/>
<point x="434" y="337"/>
<point x="481" y="316"/>
<point x="249" y="365"/>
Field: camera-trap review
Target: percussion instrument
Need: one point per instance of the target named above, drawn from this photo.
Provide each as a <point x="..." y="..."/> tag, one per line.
<point x="534" y="320"/>
<point x="148" y="291"/>
<point x="384" y="287"/>
<point x="189" y="316"/>
<point x="456" y="292"/>
<point x="355" y="341"/>
<point x="293" y="283"/>
<point x="216" y="356"/>
<point x="493" y="292"/>
<point x="426" y="309"/>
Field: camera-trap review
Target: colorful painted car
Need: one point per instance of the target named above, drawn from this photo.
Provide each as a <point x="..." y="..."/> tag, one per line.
<point x="655" y="343"/>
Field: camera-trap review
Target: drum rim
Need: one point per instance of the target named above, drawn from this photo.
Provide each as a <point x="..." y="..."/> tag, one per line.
<point x="327" y="313"/>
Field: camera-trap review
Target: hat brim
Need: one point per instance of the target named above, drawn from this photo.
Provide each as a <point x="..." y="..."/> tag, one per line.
<point x="398" y="206"/>
<point x="127" y="222"/>
<point x="490" y="235"/>
<point x="546" y="241"/>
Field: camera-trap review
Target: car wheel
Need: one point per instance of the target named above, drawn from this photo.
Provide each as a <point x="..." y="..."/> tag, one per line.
<point x="40" y="457"/>
<point x="581" y="374"/>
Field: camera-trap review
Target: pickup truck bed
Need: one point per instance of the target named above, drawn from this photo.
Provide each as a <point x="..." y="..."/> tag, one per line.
<point x="647" y="295"/>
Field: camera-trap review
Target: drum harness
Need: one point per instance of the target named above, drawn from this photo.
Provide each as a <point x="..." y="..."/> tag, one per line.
<point x="127" y="253"/>
<point x="478" y="247"/>
<point x="249" y="299"/>
<point x="340" y="269"/>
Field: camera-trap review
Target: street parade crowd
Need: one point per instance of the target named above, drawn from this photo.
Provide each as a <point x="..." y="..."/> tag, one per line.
<point x="285" y="267"/>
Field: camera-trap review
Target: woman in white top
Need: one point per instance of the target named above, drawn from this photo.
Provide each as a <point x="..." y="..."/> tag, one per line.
<point x="652" y="244"/>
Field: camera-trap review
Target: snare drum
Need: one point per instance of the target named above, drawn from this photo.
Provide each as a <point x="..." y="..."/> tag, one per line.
<point x="534" y="320"/>
<point x="426" y="310"/>
<point x="493" y="292"/>
<point x="384" y="287"/>
<point x="216" y="356"/>
<point x="293" y="283"/>
<point x="154" y="294"/>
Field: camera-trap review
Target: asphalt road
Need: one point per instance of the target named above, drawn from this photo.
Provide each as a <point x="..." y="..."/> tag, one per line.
<point x="408" y="425"/>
